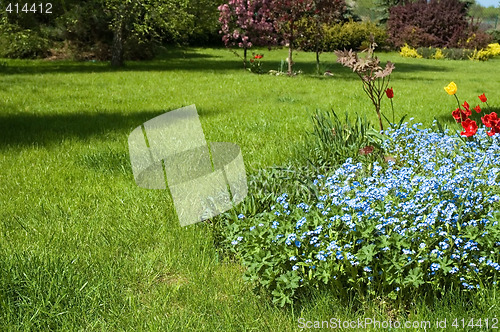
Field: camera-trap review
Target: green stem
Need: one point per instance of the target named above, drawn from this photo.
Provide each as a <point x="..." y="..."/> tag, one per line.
<point x="392" y="106"/>
<point x="458" y="102"/>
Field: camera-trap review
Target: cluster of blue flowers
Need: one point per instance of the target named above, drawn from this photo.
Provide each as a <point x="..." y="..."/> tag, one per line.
<point x="431" y="213"/>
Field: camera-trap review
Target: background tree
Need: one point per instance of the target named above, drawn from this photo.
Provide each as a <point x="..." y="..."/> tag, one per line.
<point x="488" y="16"/>
<point x="383" y="8"/>
<point x="97" y="29"/>
<point x="246" y="23"/>
<point x="324" y="12"/>
<point x="287" y="15"/>
<point x="365" y="9"/>
<point x="144" y="20"/>
<point x="206" y="24"/>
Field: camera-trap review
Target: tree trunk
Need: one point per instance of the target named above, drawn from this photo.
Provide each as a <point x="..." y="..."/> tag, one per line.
<point x="117" y="48"/>
<point x="290" y="50"/>
<point x="245" y="58"/>
<point x="290" y="60"/>
<point x="317" y="61"/>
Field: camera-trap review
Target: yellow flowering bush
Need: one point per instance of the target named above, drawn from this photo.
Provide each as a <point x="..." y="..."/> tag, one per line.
<point x="480" y="55"/>
<point x="438" y="55"/>
<point x="409" y="52"/>
<point x="494" y="49"/>
<point x="486" y="53"/>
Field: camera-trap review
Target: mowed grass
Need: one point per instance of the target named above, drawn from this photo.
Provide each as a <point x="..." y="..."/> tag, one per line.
<point x="83" y="248"/>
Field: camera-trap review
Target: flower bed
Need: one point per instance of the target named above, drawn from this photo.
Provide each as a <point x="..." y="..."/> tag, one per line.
<point x="426" y="222"/>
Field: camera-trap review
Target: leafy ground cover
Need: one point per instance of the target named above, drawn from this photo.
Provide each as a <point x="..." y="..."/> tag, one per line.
<point x="83" y="248"/>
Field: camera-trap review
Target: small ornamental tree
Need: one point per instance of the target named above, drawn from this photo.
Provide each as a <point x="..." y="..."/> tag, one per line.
<point x="325" y="12"/>
<point x="246" y="23"/>
<point x="287" y="15"/>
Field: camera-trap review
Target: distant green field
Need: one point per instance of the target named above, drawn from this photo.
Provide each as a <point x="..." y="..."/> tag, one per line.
<point x="83" y="248"/>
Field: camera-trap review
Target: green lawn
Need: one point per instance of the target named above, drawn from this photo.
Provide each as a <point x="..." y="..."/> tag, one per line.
<point x="83" y="248"/>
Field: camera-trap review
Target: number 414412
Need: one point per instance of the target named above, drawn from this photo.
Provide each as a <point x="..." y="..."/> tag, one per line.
<point x="42" y="8"/>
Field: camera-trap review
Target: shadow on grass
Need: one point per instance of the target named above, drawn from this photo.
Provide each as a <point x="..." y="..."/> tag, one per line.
<point x="18" y="130"/>
<point x="68" y="67"/>
<point x="188" y="60"/>
<point x="169" y="60"/>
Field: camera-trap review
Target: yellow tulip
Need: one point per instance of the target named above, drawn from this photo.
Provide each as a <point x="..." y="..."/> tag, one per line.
<point x="451" y="89"/>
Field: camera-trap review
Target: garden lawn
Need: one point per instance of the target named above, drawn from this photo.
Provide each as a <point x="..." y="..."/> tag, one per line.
<point x="83" y="248"/>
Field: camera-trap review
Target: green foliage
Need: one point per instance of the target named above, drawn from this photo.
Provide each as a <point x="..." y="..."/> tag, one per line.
<point x="330" y="142"/>
<point x="205" y="27"/>
<point x="366" y="10"/>
<point x="457" y="53"/>
<point x="352" y="35"/>
<point x="19" y="43"/>
<point x="86" y="29"/>
<point x="383" y="7"/>
<point x="488" y="16"/>
<point x="495" y="35"/>
<point x="333" y="141"/>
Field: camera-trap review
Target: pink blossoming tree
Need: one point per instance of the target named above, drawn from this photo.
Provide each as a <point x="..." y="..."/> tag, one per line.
<point x="246" y="23"/>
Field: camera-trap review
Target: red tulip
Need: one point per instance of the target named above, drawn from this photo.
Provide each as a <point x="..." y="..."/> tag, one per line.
<point x="494" y="130"/>
<point x="483" y="98"/>
<point x="490" y="120"/>
<point x="466" y="106"/>
<point x="470" y="127"/>
<point x="389" y="93"/>
<point x="477" y="109"/>
<point x="460" y="115"/>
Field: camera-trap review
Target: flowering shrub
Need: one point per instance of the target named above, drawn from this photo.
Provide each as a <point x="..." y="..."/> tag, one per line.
<point x="409" y="52"/>
<point x="425" y="223"/>
<point x="485" y="54"/>
<point x="494" y="49"/>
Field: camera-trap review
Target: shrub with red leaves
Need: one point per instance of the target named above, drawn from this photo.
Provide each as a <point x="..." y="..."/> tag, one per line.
<point x="436" y="23"/>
